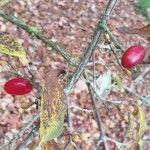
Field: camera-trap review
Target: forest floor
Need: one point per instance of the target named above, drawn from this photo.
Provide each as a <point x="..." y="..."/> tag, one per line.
<point x="71" y="23"/>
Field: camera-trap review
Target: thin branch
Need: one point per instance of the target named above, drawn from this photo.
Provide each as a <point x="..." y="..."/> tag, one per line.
<point x="82" y="109"/>
<point x="100" y="124"/>
<point x="70" y="127"/>
<point x="29" y="138"/>
<point x="89" y="51"/>
<point x="140" y="77"/>
<point x="83" y="63"/>
<point x="98" y="117"/>
<point x="110" y="6"/>
<point x="118" y="144"/>
<point x="97" y="113"/>
<point x="113" y="49"/>
<point x="38" y="34"/>
<point x="128" y="89"/>
<point x="113" y="38"/>
<point x="21" y="132"/>
<point x="69" y="116"/>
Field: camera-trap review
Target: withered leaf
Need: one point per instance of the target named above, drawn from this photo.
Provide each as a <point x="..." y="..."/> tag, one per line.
<point x="52" y="107"/>
<point x="143" y="31"/>
<point x="50" y="145"/>
<point x="10" y="46"/>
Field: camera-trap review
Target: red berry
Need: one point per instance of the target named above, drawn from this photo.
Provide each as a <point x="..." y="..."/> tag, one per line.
<point x="18" y="86"/>
<point x="132" y="56"/>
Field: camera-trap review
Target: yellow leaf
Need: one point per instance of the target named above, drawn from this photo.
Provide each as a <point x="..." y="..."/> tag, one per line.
<point x="127" y="72"/>
<point x="78" y="137"/>
<point x="52" y="108"/>
<point x="142" y="122"/>
<point x="71" y="147"/>
<point x="9" y="46"/>
<point x="4" y="2"/>
<point x="140" y="115"/>
<point x="23" y="60"/>
<point x="130" y="126"/>
<point x="118" y="81"/>
<point x="84" y="136"/>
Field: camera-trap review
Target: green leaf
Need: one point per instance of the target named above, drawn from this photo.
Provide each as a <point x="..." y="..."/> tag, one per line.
<point x="11" y="47"/>
<point x="144" y="8"/>
<point x="52" y="108"/>
<point x="142" y="122"/>
<point x="142" y="144"/>
<point x="130" y="126"/>
<point x="118" y="81"/>
<point x="34" y="30"/>
<point x="143" y="3"/>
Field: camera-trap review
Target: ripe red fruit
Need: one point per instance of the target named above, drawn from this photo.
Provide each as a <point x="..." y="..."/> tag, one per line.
<point x="132" y="56"/>
<point x="18" y="86"/>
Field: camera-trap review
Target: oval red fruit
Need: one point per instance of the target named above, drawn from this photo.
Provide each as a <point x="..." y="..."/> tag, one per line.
<point x="132" y="56"/>
<point x="18" y="86"/>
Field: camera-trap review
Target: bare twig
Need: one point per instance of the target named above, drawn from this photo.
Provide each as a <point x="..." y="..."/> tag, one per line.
<point x="113" y="38"/>
<point x="82" y="109"/>
<point x="38" y="34"/>
<point x="102" y="26"/>
<point x="69" y="116"/>
<point x="29" y="138"/>
<point x="128" y="89"/>
<point x="98" y="117"/>
<point x="110" y="6"/>
<point x="21" y="132"/>
<point x="97" y="113"/>
<point x="70" y="127"/>
<point x="89" y="51"/>
<point x="140" y="77"/>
